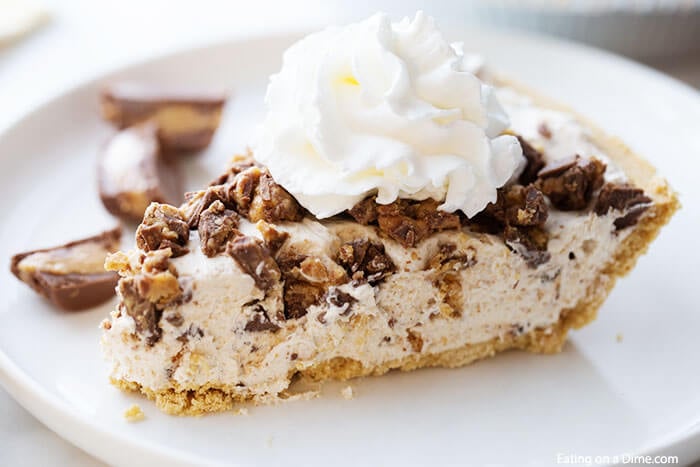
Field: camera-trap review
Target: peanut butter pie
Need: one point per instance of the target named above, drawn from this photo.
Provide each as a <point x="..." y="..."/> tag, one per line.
<point x="398" y="209"/>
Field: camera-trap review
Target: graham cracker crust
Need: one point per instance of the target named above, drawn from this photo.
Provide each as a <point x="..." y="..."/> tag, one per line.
<point x="209" y="399"/>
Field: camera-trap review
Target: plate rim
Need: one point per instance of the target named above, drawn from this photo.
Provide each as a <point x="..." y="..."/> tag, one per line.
<point x="49" y="409"/>
<point x="18" y="383"/>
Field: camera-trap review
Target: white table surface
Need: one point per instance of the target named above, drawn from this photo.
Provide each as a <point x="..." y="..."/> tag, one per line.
<point x="88" y="37"/>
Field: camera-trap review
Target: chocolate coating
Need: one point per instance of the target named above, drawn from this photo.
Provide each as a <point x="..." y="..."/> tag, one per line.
<point x="186" y="117"/>
<point x="131" y="173"/>
<point x="74" y="289"/>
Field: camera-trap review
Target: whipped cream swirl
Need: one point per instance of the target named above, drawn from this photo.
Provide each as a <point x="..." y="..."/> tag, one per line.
<point x="389" y="109"/>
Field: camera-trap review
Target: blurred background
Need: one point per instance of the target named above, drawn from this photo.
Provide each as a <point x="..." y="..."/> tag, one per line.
<point x="47" y="46"/>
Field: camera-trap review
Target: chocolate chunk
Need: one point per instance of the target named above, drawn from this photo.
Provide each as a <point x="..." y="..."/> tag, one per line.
<point x="306" y="280"/>
<point x="131" y="174"/>
<point x="198" y="201"/>
<point x="572" y="188"/>
<point x="163" y="227"/>
<point x="529" y="242"/>
<point x="238" y="164"/>
<point x="340" y="299"/>
<point x="74" y="292"/>
<point x="529" y="209"/>
<point x="154" y="262"/>
<point x="406" y="221"/>
<point x="273" y="238"/>
<point x="436" y="219"/>
<point x="186" y="118"/>
<point x="299" y="296"/>
<point x="147" y="289"/>
<point x="619" y="196"/>
<point x="250" y="189"/>
<point x="535" y="162"/>
<point x="242" y="190"/>
<point x="71" y="276"/>
<point x="408" y="232"/>
<point x="365" y="212"/>
<point x="517" y="205"/>
<point x="518" y="215"/>
<point x="415" y="339"/>
<point x="631" y="218"/>
<point x="365" y="260"/>
<point x="217" y="225"/>
<point x="186" y="285"/>
<point x="272" y="203"/>
<point x="160" y="288"/>
<point x="559" y="166"/>
<point x="487" y="222"/>
<point x="192" y="332"/>
<point x="450" y="258"/>
<point x="145" y="314"/>
<point x="260" y="320"/>
<point x="445" y="267"/>
<point x="622" y="197"/>
<point x="175" y="318"/>
<point x="400" y="222"/>
<point x="289" y="262"/>
<point x="255" y="259"/>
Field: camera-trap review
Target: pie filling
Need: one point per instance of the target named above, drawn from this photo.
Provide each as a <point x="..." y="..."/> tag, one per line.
<point x="241" y="288"/>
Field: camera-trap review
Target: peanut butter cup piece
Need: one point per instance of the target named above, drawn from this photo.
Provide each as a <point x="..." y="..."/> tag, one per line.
<point x="131" y="174"/>
<point x="71" y="276"/>
<point x="198" y="201"/>
<point x="145" y="314"/>
<point x="299" y="296"/>
<point x="306" y="281"/>
<point x="535" y="162"/>
<point x="217" y="225"/>
<point x="622" y="197"/>
<point x="528" y="242"/>
<point x="570" y="184"/>
<point x="252" y="192"/>
<point x="274" y="239"/>
<point x="272" y="203"/>
<point x="340" y="299"/>
<point x="365" y="260"/>
<point x="517" y="205"/>
<point x="365" y="212"/>
<point x="186" y="118"/>
<point x="406" y="221"/>
<point x="260" y="322"/>
<point x="255" y="259"/>
<point x="163" y="227"/>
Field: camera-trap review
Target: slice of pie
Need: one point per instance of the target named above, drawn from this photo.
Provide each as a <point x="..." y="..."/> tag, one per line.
<point x="389" y="218"/>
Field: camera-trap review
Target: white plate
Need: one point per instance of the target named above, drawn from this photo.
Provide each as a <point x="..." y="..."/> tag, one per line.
<point x="598" y="397"/>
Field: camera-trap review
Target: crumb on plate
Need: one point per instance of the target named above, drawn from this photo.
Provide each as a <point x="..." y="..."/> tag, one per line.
<point x="348" y="393"/>
<point x="134" y="414"/>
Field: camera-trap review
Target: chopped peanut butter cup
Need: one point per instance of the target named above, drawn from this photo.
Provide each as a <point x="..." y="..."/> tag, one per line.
<point x="186" y="118"/>
<point x="131" y="174"/>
